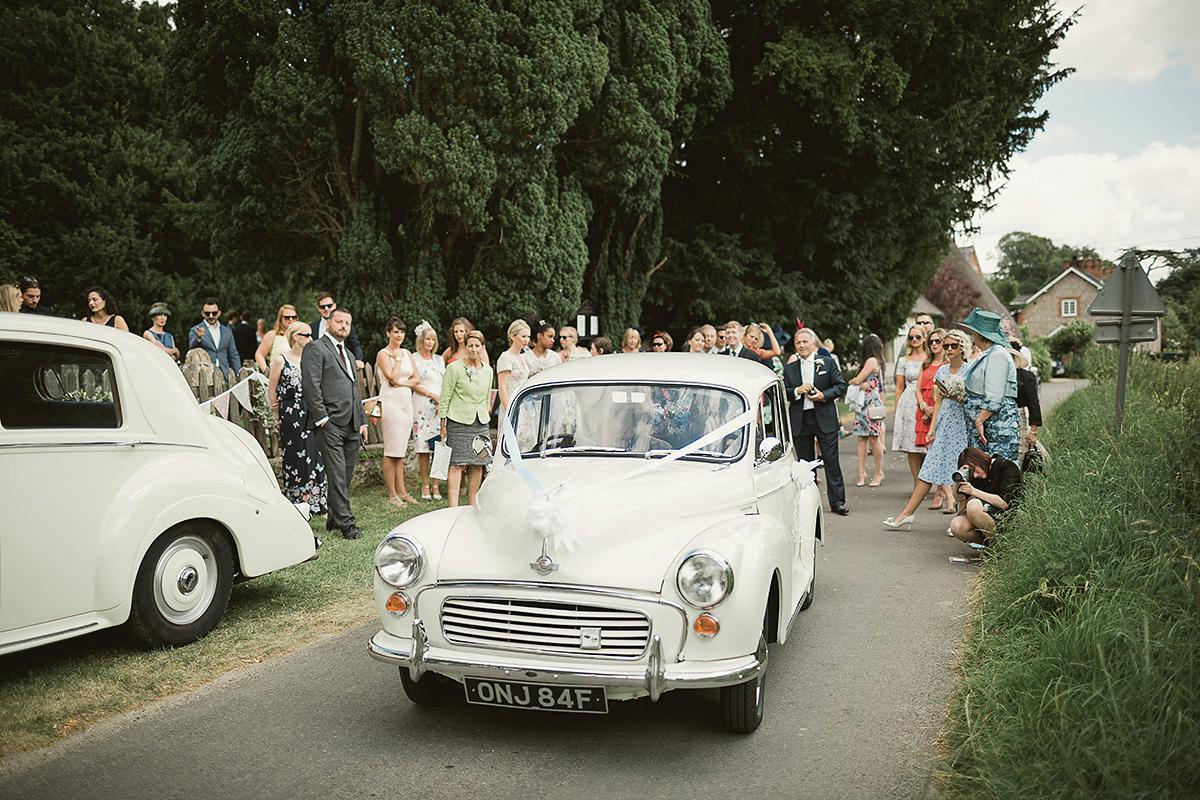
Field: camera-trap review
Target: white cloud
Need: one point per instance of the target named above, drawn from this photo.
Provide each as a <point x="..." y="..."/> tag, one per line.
<point x="1131" y="41"/>
<point x="1148" y="200"/>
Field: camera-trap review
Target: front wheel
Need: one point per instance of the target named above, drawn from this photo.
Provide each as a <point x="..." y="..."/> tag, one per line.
<point x="182" y="587"/>
<point x="742" y="704"/>
<point x="431" y="690"/>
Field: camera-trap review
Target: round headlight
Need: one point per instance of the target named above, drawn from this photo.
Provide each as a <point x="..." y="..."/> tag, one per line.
<point x="704" y="579"/>
<point x="399" y="561"/>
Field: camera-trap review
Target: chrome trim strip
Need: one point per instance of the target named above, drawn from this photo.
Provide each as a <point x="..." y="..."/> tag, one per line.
<point x="726" y="672"/>
<point x="55" y="635"/>
<point x="128" y="443"/>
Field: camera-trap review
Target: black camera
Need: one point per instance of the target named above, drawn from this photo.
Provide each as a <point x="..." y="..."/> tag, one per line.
<point x="961" y="476"/>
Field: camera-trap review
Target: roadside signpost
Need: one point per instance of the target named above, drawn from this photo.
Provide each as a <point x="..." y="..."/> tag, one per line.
<point x="1130" y="299"/>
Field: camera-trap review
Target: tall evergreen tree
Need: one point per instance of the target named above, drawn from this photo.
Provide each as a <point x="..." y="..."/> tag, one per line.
<point x="90" y="173"/>
<point x="858" y="135"/>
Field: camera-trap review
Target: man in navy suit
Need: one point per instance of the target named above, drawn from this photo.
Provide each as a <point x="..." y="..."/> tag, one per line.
<point x="335" y="415"/>
<point x="215" y="338"/>
<point x="813" y="384"/>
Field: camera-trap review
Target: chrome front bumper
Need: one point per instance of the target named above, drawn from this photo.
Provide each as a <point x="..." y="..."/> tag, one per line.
<point x="651" y="677"/>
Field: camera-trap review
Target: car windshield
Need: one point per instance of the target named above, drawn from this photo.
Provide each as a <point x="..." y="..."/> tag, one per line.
<point x="645" y="420"/>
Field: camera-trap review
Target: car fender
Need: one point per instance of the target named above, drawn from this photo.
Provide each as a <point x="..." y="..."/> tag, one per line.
<point x="756" y="548"/>
<point x="266" y="535"/>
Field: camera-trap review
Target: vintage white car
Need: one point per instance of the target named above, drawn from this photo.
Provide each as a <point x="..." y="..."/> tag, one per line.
<point x="121" y="499"/>
<point x="645" y="527"/>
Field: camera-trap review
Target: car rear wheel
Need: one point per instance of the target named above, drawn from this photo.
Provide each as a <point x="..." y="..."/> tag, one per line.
<point x="429" y="690"/>
<point x="742" y="704"/>
<point x="182" y="587"/>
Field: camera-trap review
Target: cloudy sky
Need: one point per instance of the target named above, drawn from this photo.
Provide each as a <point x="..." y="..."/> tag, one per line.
<point x="1118" y="163"/>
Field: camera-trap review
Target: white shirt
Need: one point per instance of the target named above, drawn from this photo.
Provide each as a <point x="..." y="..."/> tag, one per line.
<point x="808" y="368"/>
<point x="214" y="330"/>
<point x="340" y="348"/>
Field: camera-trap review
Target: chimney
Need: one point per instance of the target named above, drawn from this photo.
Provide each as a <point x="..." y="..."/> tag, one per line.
<point x="1066" y="264"/>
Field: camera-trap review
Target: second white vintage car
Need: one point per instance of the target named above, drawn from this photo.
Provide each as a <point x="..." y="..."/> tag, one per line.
<point x="645" y="527"/>
<point x="123" y="501"/>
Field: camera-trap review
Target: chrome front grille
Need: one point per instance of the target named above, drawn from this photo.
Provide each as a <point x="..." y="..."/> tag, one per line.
<point x="542" y="626"/>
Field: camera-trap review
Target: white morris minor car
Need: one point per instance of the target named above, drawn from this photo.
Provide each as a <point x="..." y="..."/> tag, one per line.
<point x="123" y="501"/>
<point x="645" y="527"/>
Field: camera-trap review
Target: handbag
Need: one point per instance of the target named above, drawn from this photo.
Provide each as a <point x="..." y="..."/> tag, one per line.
<point x="440" y="468"/>
<point x="876" y="412"/>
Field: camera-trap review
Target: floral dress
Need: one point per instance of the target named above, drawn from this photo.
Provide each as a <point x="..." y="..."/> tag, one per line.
<point x="904" y="435"/>
<point x="303" y="470"/>
<point x="992" y="386"/>
<point x="863" y="426"/>
<point x="949" y="438"/>
<point x="425" y="407"/>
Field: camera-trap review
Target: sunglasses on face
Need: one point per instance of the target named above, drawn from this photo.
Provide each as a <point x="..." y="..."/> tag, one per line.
<point x="211" y="313"/>
<point x="935" y="341"/>
<point x="309" y="335"/>
<point x="952" y="345"/>
<point x="325" y="306"/>
<point x="289" y="316"/>
<point x="915" y="338"/>
<point x="659" y="344"/>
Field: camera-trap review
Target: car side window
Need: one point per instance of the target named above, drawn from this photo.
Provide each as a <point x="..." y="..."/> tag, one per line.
<point x="770" y="416"/>
<point x="52" y="386"/>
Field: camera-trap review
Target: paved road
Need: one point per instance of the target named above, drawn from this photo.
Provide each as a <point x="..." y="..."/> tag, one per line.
<point x="854" y="703"/>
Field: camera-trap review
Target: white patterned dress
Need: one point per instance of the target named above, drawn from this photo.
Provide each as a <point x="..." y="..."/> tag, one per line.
<point x="904" y="426"/>
<point x="425" y="408"/>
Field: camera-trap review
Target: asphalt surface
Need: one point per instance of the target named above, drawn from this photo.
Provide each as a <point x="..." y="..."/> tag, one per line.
<point x="855" y="699"/>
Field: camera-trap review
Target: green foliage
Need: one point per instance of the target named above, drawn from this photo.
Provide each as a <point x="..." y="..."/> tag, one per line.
<point x="91" y="171"/>
<point x="1033" y="261"/>
<point x="857" y="136"/>
<point x="1180" y="292"/>
<point x="1079" y="676"/>
<point x="1071" y="338"/>
<point x="1005" y="289"/>
<point x="1041" y="358"/>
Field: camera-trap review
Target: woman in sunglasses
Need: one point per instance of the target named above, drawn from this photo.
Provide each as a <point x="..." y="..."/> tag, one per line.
<point x="303" y="469"/>
<point x="661" y="342"/>
<point x="947" y="435"/>
<point x="936" y="356"/>
<point x="275" y="342"/>
<point x="908" y="375"/>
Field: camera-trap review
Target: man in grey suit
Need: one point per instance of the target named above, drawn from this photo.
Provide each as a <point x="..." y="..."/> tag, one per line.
<point x="215" y="338"/>
<point x="335" y="415"/>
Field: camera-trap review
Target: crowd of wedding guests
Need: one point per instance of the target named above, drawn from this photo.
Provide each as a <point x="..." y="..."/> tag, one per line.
<point x="966" y="408"/>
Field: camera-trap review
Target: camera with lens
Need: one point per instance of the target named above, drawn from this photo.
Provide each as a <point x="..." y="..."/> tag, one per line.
<point x="961" y="476"/>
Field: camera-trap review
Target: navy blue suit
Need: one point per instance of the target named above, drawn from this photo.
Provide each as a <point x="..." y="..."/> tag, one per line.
<point x="820" y="422"/>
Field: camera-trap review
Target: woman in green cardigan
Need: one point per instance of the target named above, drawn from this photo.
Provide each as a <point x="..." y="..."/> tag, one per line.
<point x="463" y="408"/>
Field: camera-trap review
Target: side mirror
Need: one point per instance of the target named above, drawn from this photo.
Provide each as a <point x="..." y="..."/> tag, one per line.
<point x="770" y="449"/>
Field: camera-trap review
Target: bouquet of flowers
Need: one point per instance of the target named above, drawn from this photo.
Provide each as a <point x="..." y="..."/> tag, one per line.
<point x="953" y="387"/>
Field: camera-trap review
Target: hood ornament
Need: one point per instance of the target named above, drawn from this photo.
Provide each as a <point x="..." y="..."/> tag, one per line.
<point x="545" y="564"/>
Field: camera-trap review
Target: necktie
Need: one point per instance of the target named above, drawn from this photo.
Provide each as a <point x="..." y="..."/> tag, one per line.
<point x="342" y="356"/>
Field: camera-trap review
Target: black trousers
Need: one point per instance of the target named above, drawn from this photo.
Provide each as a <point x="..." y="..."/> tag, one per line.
<point x="806" y="449"/>
<point x="339" y="450"/>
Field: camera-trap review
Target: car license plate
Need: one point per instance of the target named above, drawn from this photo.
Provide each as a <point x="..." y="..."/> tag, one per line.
<point x="538" y="696"/>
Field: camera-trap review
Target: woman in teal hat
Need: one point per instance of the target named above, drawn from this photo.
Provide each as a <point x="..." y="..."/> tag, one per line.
<point x="991" y="380"/>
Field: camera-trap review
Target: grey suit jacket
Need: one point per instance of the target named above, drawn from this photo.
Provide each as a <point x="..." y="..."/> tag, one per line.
<point x="330" y="391"/>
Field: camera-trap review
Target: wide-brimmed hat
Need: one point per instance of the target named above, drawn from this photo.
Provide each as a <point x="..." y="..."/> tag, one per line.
<point x="159" y="308"/>
<point x="986" y="324"/>
<point x="1018" y="358"/>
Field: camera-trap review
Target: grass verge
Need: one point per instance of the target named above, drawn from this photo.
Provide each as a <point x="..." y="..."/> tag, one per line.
<point x="1079" y="676"/>
<point x="50" y="692"/>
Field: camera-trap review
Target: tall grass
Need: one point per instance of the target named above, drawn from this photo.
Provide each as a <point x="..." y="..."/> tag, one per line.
<point x="1080" y="676"/>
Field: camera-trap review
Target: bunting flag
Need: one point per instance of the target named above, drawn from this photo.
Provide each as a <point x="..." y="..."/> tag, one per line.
<point x="221" y="404"/>
<point x="241" y="393"/>
<point x="245" y="382"/>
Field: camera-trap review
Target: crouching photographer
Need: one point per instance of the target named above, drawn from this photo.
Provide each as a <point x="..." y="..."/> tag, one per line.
<point x="990" y="487"/>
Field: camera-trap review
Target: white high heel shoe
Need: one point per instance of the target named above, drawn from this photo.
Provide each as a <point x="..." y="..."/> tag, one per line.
<point x="903" y="522"/>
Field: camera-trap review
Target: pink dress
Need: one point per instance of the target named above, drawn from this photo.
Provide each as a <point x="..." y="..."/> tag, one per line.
<point x="397" y="420"/>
